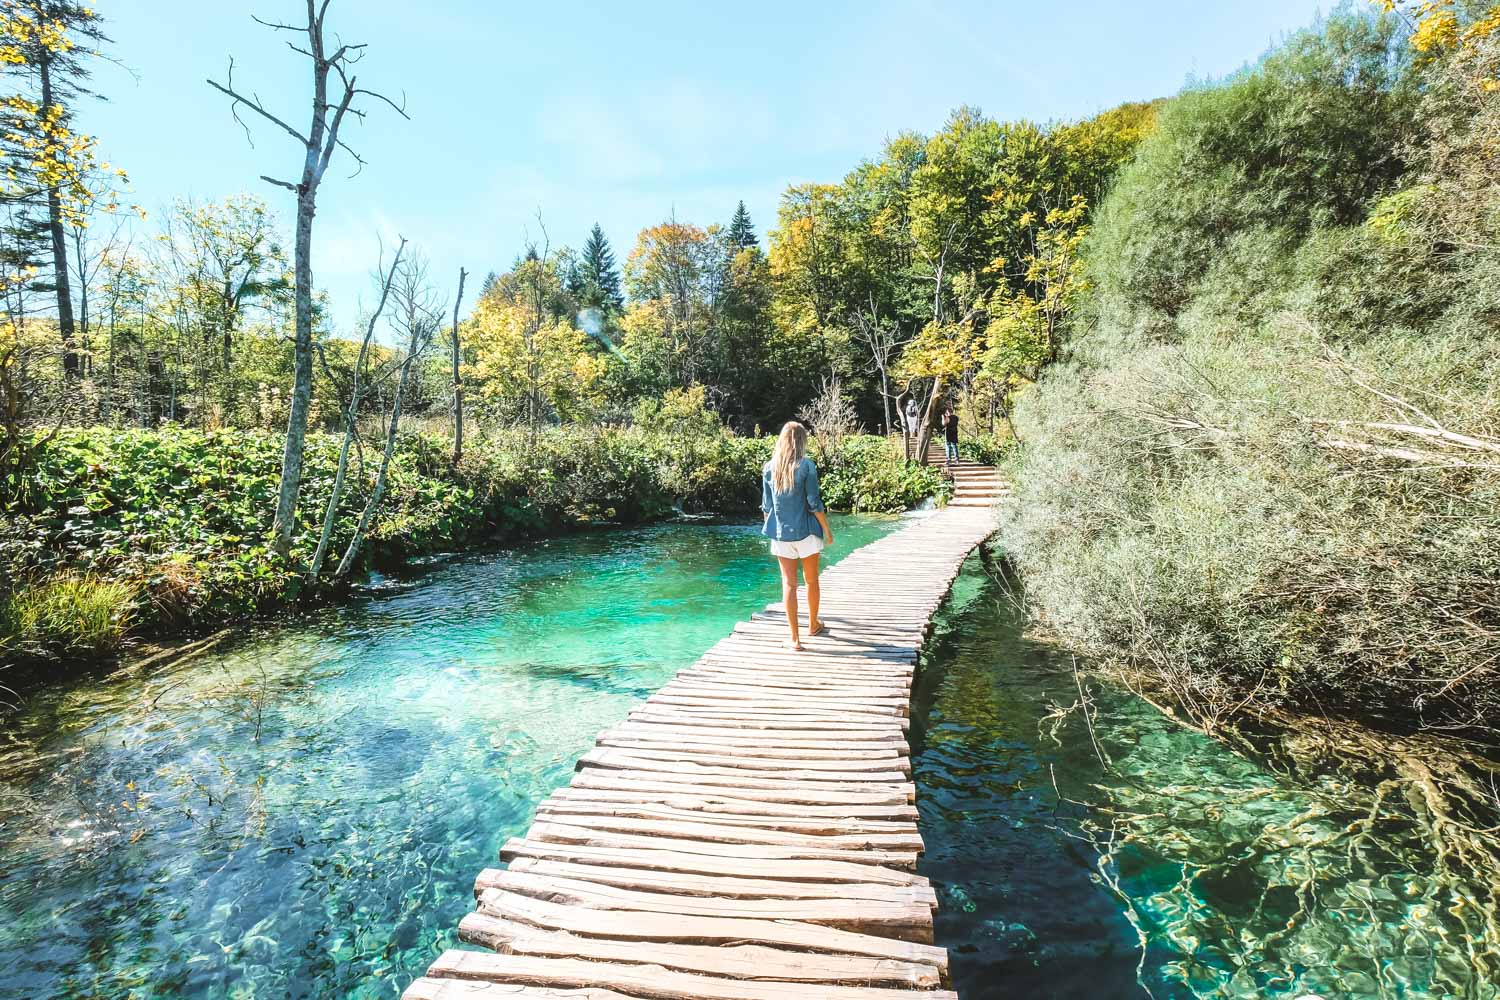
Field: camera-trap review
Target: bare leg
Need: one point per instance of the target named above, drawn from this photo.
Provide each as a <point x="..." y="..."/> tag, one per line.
<point x="814" y="593"/>
<point x="789" y="597"/>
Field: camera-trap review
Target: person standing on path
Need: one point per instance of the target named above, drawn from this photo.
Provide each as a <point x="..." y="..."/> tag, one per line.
<point x="796" y="523"/>
<point x="913" y="416"/>
<point x="950" y="433"/>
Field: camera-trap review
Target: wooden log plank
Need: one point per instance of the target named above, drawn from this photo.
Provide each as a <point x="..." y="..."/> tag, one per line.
<point x="655" y="858"/>
<point x="569" y="834"/>
<point x="701" y="803"/>
<point x="558" y="826"/>
<point x="908" y="921"/>
<point x="746" y="961"/>
<point x="709" y="746"/>
<point x="647" y="981"/>
<point x="731" y="767"/>
<point x="887" y="738"/>
<point x="576" y="813"/>
<point x="789" y="792"/>
<point x="628" y="925"/>
<point x="723" y="887"/>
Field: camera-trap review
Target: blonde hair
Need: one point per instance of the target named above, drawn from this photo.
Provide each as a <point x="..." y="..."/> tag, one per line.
<point x="791" y="448"/>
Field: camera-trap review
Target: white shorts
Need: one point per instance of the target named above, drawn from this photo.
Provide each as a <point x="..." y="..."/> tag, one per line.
<point x="800" y="549"/>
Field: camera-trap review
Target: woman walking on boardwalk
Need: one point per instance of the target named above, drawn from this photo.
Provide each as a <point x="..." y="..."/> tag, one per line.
<point x="796" y="522"/>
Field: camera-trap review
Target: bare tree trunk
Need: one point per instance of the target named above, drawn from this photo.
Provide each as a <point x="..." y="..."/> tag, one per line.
<point x="924" y="439"/>
<point x="319" y="144"/>
<point x="347" y="563"/>
<point x="72" y="362"/>
<point x="351" y="418"/>
<point x="458" y="386"/>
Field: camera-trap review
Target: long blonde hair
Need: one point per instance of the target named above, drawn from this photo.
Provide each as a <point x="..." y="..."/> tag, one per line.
<point x="791" y="448"/>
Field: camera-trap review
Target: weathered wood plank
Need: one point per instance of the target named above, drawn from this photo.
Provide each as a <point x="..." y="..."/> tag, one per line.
<point x="693" y="863"/>
<point x="648" y="981"/>
<point x="629" y="925"/>
<point x="909" y="921"/>
<point x="746" y="961"/>
<point x="652" y="880"/>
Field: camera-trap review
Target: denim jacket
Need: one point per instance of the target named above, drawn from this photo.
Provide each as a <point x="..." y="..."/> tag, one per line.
<point x="789" y="515"/>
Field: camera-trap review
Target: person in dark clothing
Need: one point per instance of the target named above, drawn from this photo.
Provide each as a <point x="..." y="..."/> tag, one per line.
<point x="950" y="433"/>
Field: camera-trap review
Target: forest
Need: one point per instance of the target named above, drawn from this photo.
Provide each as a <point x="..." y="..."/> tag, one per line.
<point x="1236" y="346"/>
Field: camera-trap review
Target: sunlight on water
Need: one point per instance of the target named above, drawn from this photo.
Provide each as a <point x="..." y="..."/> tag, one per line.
<point x="1244" y="883"/>
<point x="304" y="814"/>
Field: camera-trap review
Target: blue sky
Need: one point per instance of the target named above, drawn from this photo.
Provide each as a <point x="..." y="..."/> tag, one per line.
<point x="618" y="113"/>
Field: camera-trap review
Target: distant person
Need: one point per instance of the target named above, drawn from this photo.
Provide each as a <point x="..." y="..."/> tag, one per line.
<point x="796" y="523"/>
<point x="913" y="416"/>
<point x="950" y="433"/>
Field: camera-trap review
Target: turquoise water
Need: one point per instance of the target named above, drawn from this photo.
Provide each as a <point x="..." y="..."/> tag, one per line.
<point x="304" y="815"/>
<point x="1123" y="855"/>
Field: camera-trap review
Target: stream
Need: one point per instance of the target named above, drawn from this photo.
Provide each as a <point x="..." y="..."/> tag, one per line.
<point x="302" y="813"/>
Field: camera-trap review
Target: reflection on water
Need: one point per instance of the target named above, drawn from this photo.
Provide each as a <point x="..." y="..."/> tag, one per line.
<point x="304" y="815"/>
<point x="1053" y="869"/>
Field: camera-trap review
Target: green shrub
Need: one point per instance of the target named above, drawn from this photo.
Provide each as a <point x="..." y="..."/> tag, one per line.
<point x="870" y="475"/>
<point x="1267" y="474"/>
<point x="1308" y="138"/>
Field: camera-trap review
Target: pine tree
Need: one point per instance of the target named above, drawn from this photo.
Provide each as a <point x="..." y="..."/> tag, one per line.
<point x="599" y="278"/>
<point x="48" y="44"/>
<point x="741" y="230"/>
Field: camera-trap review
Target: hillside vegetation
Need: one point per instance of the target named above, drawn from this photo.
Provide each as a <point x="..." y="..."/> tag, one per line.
<point x="1268" y="470"/>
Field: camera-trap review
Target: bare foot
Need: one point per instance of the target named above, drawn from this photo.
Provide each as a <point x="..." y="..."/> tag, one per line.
<point x="793" y="644"/>
<point x="816" y="627"/>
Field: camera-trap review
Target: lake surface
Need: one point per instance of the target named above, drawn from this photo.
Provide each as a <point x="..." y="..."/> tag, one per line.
<point x="304" y="815"/>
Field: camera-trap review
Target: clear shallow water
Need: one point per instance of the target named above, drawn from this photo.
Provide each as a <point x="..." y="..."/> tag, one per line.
<point x="1177" y="869"/>
<point x="304" y="815"/>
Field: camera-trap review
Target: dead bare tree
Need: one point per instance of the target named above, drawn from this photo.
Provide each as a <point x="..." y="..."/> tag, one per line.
<point x="882" y="341"/>
<point x="458" y="385"/>
<point x="417" y="318"/>
<point x="319" y="142"/>
<point x="351" y="414"/>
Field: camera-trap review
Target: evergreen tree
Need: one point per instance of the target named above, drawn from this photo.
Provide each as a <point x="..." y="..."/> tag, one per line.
<point x="741" y="230"/>
<point x="48" y="45"/>
<point x="598" y="277"/>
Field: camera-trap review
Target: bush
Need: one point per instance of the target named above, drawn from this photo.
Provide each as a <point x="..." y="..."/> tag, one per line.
<point x="1308" y="138"/>
<point x="869" y="475"/>
<point x="1270" y="474"/>
<point x="180" y="518"/>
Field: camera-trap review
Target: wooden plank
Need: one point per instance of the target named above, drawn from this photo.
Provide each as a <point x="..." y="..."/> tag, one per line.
<point x="708" y="746"/>
<point x="790" y="792"/>
<point x="908" y="921"/>
<point x="729" y="832"/>
<point x="629" y="925"/>
<point x="561" y="833"/>
<point x="723" y="887"/>
<point x="560" y="807"/>
<point x="648" y="981"/>
<point x="710" y="804"/>
<point x="784" y="869"/>
<point x="746" y="961"/>
<point x="732" y="767"/>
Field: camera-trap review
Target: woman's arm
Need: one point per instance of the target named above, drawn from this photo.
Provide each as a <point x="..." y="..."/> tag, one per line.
<point x="815" y="502"/>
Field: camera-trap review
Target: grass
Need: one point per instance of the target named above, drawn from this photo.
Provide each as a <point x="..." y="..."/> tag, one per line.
<point x="75" y="614"/>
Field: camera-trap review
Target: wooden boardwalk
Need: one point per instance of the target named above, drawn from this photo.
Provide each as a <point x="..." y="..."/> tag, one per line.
<point x="750" y="831"/>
